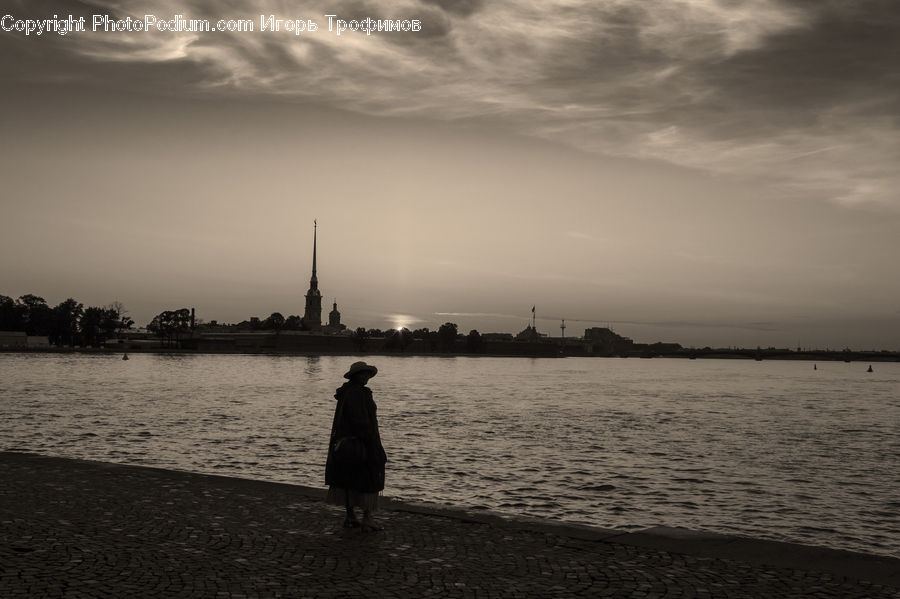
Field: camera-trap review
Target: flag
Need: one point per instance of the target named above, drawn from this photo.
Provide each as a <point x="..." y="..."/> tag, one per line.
<point x="532" y="309"/>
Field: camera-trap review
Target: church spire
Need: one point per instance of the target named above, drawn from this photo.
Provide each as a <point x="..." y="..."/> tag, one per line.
<point x="313" y="281"/>
<point x="312" y="315"/>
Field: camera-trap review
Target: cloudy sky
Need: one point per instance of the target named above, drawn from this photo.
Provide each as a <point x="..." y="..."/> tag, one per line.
<point x="711" y="172"/>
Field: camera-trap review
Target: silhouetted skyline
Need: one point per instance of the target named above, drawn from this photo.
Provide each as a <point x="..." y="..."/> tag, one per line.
<point x="724" y="177"/>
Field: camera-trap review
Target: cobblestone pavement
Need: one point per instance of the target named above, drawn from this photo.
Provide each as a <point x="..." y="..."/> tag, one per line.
<point x="85" y="529"/>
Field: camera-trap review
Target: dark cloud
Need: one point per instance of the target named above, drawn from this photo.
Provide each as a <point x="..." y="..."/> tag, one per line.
<point x="582" y="67"/>
<point x="462" y="8"/>
<point x="695" y="83"/>
<point x="434" y="41"/>
<point x="47" y="64"/>
<point x="847" y="54"/>
<point x="435" y="25"/>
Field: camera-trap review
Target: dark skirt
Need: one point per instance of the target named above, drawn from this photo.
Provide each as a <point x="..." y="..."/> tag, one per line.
<point x="362" y="478"/>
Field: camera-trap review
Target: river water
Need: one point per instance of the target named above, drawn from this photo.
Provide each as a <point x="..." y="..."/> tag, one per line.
<point x="771" y="449"/>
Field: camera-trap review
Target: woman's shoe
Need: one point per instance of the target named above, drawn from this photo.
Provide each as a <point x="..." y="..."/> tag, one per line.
<point x="369" y="526"/>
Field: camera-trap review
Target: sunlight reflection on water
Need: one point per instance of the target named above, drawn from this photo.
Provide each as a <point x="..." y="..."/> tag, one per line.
<point x="765" y="449"/>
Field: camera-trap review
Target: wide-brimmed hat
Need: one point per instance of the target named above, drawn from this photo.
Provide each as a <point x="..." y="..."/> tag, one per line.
<point x="360" y="367"/>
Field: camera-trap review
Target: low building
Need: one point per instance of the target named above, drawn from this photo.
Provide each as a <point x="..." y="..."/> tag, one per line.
<point x="531" y="334"/>
<point x="603" y="341"/>
<point x="13" y="339"/>
<point x="38" y="341"/>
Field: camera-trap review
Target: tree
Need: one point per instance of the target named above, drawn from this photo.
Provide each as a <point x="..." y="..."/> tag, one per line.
<point x="360" y="336"/>
<point x="64" y="328"/>
<point x="432" y="339"/>
<point x="474" y="342"/>
<point x="293" y="323"/>
<point x="182" y="323"/>
<point x="159" y="325"/>
<point x="125" y="323"/>
<point x="392" y="340"/>
<point x="447" y="336"/>
<point x="38" y="315"/>
<point x="405" y="338"/>
<point x="171" y="325"/>
<point x="274" y="322"/>
<point x="111" y="323"/>
<point x="91" y="326"/>
<point x="11" y="315"/>
<point x="116" y="313"/>
<point x="398" y="339"/>
<point x="117" y="307"/>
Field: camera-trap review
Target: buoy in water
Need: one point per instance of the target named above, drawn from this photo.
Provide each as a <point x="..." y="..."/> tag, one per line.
<point x="870" y="369"/>
<point x="125" y="357"/>
<point x="814" y="367"/>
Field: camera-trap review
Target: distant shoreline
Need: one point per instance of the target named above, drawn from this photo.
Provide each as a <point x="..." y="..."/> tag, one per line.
<point x="740" y="354"/>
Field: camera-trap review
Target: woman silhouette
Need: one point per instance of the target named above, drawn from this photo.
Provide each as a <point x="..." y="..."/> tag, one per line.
<point x="354" y="469"/>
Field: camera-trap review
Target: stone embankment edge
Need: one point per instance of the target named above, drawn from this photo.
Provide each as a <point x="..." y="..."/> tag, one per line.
<point x="846" y="564"/>
<point x="877" y="569"/>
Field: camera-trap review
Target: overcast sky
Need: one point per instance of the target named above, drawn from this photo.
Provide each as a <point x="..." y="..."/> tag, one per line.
<point x="710" y="172"/>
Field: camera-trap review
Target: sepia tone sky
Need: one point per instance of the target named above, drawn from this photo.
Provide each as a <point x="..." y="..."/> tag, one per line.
<point x="709" y="172"/>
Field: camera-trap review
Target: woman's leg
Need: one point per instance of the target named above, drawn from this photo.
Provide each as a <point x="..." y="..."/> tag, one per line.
<point x="350" y="521"/>
<point x="368" y="524"/>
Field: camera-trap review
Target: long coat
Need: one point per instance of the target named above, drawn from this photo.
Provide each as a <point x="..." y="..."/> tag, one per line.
<point x="355" y="416"/>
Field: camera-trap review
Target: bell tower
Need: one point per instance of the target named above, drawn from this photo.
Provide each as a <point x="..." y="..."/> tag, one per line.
<point x="334" y="317"/>
<point x="312" y="314"/>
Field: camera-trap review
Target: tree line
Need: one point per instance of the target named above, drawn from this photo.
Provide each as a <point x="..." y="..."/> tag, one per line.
<point x="444" y="339"/>
<point x="171" y="325"/>
<point x="67" y="323"/>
